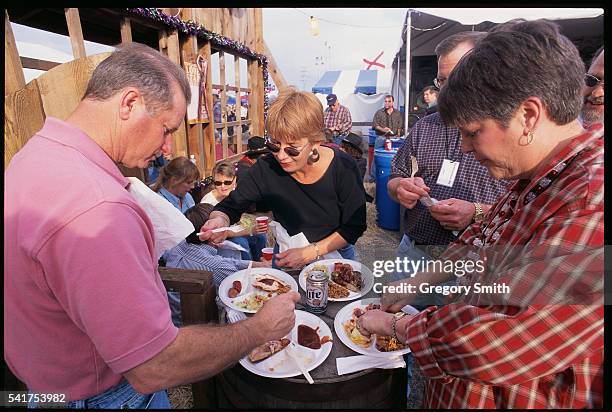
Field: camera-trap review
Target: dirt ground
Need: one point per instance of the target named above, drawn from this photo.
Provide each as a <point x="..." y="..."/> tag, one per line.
<point x="375" y="244"/>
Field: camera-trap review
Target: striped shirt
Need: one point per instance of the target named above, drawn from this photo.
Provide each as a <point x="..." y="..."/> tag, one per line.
<point x="341" y="118"/>
<point x="203" y="257"/>
<point x="545" y="348"/>
<point x="431" y="141"/>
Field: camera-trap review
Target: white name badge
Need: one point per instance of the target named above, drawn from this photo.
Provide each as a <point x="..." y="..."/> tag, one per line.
<point x="448" y="173"/>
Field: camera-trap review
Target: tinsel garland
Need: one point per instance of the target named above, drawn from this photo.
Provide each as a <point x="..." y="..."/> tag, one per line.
<point x="191" y="27"/>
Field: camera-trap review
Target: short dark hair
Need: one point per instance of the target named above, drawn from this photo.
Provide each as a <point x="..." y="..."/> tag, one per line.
<point x="391" y="96"/>
<point x="529" y="59"/>
<point x="140" y="66"/>
<point x="197" y="215"/>
<point x="451" y="42"/>
<point x="430" y="89"/>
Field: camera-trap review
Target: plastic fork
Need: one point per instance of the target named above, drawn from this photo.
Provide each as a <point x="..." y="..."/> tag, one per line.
<point x="290" y="349"/>
<point x="247" y="288"/>
<point x="234" y="316"/>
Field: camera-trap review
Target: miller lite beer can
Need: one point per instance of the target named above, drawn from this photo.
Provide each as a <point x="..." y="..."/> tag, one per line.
<point x="317" y="284"/>
<point x="388" y="145"/>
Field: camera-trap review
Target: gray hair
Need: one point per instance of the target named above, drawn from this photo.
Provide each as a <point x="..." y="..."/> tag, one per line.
<point x="430" y="89"/>
<point x="140" y="66"/>
<point x="596" y="54"/>
<point x="508" y="66"/>
<point x="452" y="42"/>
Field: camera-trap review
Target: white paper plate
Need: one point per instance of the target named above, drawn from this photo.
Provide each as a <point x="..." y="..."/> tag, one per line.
<point x="226" y="285"/>
<point x="345" y="314"/>
<point x="366" y="275"/>
<point x="280" y="365"/>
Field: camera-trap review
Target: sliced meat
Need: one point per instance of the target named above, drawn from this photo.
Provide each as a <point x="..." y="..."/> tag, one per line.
<point x="270" y="284"/>
<point x="267" y="349"/>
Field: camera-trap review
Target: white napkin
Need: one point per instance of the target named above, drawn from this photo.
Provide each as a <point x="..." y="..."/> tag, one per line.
<point x="169" y="224"/>
<point x="228" y="244"/>
<point x="286" y="242"/>
<point x="430" y="201"/>
<point x="352" y="364"/>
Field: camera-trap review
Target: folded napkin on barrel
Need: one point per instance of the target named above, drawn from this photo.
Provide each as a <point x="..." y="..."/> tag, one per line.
<point x="357" y="363"/>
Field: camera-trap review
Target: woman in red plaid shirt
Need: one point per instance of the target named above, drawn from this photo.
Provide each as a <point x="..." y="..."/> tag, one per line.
<point x="516" y="99"/>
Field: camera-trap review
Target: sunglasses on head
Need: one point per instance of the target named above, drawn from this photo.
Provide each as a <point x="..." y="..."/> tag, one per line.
<point x="225" y="182"/>
<point x="275" y="147"/>
<point x="592" y="80"/>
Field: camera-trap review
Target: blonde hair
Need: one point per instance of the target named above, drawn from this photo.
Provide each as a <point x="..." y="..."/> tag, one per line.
<point x="294" y="115"/>
<point x="225" y="169"/>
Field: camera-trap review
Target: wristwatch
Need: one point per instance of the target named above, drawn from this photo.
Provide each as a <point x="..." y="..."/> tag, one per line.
<point x="396" y="316"/>
<point x="478" y="213"/>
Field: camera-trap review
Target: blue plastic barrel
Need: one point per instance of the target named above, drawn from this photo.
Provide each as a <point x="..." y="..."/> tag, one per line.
<point x="371" y="137"/>
<point x="397" y="142"/>
<point x="388" y="211"/>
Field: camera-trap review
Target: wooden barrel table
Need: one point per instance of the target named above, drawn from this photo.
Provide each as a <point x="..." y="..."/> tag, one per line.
<point x="367" y="389"/>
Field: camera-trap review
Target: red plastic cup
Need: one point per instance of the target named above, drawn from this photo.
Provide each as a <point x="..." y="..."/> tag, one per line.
<point x="262" y="220"/>
<point x="267" y="253"/>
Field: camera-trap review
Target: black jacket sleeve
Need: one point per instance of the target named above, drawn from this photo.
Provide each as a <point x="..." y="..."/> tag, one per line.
<point x="351" y="197"/>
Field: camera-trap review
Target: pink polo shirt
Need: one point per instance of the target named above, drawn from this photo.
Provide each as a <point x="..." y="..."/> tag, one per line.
<point x="83" y="301"/>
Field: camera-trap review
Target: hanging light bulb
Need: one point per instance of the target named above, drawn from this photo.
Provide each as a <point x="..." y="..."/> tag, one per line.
<point x="314" y="26"/>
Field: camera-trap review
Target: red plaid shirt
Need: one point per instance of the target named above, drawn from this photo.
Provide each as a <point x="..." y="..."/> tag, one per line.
<point x="340" y="118"/>
<point x="534" y="355"/>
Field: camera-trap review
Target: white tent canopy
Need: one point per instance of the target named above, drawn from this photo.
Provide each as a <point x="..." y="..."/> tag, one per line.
<point x="429" y="26"/>
<point x="361" y="91"/>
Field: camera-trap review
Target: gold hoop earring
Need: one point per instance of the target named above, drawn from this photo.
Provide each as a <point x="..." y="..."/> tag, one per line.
<point x="314" y="156"/>
<point x="529" y="139"/>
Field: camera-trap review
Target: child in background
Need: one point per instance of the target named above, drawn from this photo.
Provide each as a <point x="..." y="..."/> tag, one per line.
<point x="253" y="238"/>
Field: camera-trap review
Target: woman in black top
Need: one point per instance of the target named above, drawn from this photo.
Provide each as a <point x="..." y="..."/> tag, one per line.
<point x="309" y="188"/>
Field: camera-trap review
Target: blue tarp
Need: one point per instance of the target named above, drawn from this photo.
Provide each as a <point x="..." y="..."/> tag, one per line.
<point x="326" y="83"/>
<point x="366" y="82"/>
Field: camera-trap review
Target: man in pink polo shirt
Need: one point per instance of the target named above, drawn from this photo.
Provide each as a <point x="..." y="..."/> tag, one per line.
<point x="85" y="311"/>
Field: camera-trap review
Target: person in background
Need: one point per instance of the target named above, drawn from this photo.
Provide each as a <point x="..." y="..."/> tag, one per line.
<point x="192" y="253"/>
<point x="337" y="119"/>
<point x="256" y="148"/>
<point x="175" y="181"/>
<point x="352" y="145"/>
<point x="539" y="342"/>
<point x="430" y="97"/>
<point x="388" y="121"/>
<point x="253" y="238"/>
<point x="85" y="310"/>
<point x="154" y="167"/>
<point x="593" y="91"/>
<point x="309" y="188"/>
<point x="467" y="191"/>
<point x="217" y="116"/>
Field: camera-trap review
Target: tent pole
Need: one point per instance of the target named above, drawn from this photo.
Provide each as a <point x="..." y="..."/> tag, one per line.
<point x="407" y="95"/>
